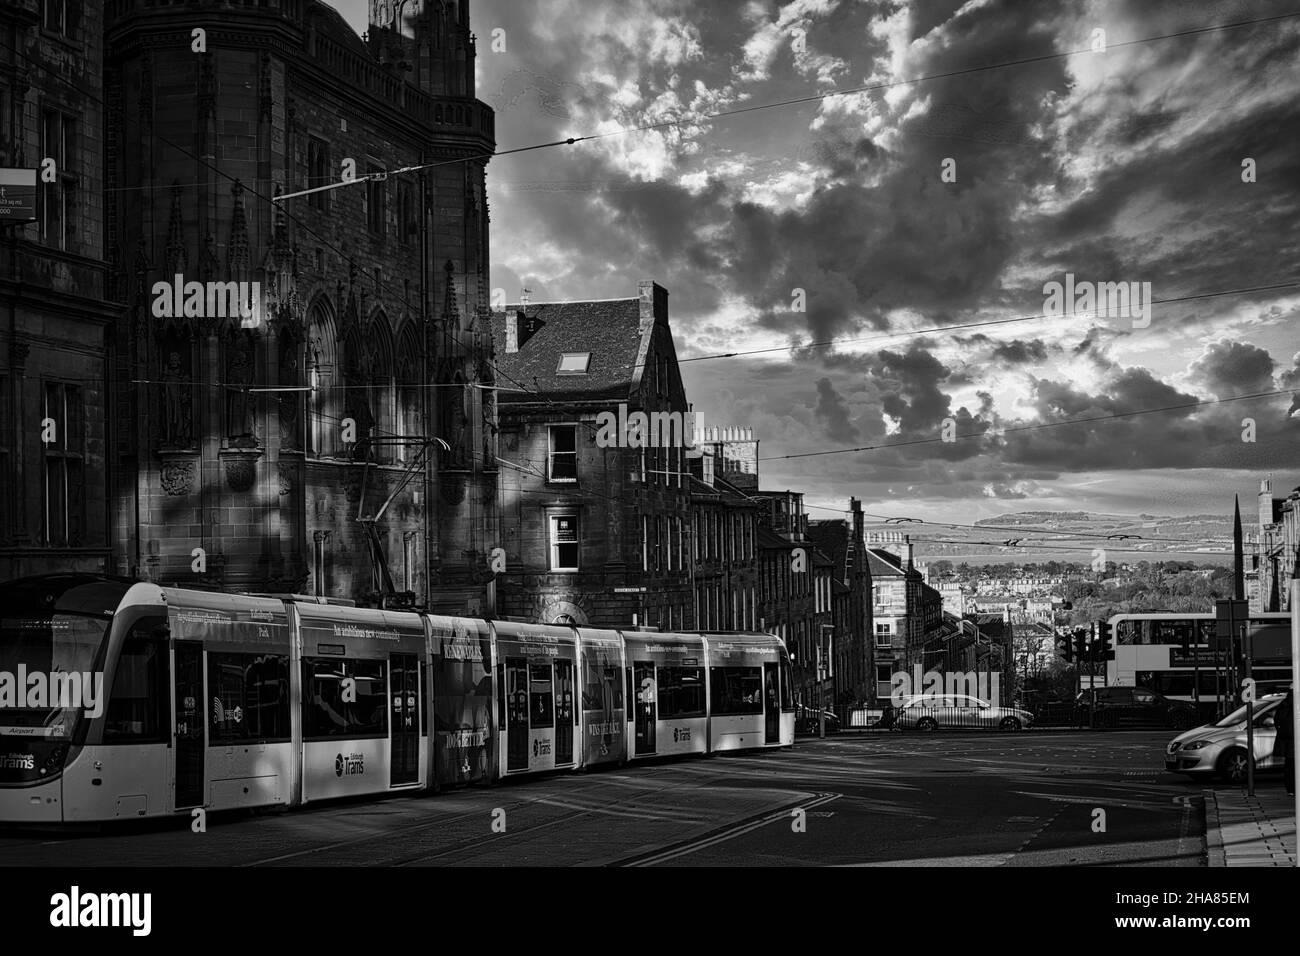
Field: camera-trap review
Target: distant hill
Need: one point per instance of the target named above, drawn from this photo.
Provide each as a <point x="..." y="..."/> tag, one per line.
<point x="1046" y="536"/>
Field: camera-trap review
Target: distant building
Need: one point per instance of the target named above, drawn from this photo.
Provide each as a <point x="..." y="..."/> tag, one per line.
<point x="1275" y="555"/>
<point x="843" y="542"/>
<point x="906" y="611"/>
<point x="723" y="553"/>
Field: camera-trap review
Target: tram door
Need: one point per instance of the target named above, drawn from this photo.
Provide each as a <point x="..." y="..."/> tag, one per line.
<point x="188" y="720"/>
<point x="771" y="705"/>
<point x="564" y="711"/>
<point x="405" y="763"/>
<point x="643" y="685"/>
<point x="516" y="685"/>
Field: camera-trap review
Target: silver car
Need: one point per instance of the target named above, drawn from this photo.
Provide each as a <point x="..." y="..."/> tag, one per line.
<point x="930" y="712"/>
<point x="1219" y="749"/>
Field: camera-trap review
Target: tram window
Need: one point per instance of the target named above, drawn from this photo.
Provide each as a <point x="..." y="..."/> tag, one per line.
<point x="249" y="695"/>
<point x="602" y="688"/>
<point x="137" y="707"/>
<point x="327" y="714"/>
<point x="681" y="692"/>
<point x="541" y="709"/>
<point x="736" y="690"/>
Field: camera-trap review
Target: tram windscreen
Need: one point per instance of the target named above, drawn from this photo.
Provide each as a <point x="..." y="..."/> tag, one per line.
<point x="52" y="634"/>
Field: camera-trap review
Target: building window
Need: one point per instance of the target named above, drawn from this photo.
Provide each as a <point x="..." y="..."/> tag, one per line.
<point x="376" y="201"/>
<point x="407" y="223"/>
<point x="573" y="363"/>
<point x="564" y="542"/>
<point x="318" y="173"/>
<point x="61" y="17"/>
<point x="319" y="566"/>
<point x="562" y="462"/>
<point x="57" y="198"/>
<point x="62" y="439"/>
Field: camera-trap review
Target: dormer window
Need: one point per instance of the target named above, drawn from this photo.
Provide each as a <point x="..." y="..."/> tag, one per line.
<point x="573" y="363"/>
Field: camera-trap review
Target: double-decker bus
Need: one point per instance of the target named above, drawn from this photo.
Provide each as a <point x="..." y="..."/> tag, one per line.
<point x="1175" y="655"/>
<point x="122" y="699"/>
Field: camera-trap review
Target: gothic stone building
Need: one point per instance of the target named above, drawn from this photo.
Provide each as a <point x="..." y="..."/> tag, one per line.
<point x="593" y="532"/>
<point x="54" y="313"/>
<point x="271" y="435"/>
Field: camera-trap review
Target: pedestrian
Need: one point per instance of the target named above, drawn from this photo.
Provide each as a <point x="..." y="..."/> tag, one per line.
<point x="1284" y="744"/>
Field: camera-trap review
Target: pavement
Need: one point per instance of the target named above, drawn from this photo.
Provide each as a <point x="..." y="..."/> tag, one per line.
<point x="1250" y="831"/>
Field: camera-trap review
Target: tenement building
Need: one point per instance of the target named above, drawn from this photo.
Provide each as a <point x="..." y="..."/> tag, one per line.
<point x="303" y="383"/>
<point x="56" y="320"/>
<point x="596" y="484"/>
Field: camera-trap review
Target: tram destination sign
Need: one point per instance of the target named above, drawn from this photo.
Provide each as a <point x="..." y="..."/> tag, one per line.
<point x="17" y="196"/>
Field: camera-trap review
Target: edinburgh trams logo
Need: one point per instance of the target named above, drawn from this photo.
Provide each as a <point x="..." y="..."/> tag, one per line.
<point x="18" y="762"/>
<point x="351" y="764"/>
<point x="38" y="690"/>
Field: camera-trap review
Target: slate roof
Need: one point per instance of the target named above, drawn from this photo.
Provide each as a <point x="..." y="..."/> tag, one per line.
<point x="884" y="563"/>
<point x="610" y="330"/>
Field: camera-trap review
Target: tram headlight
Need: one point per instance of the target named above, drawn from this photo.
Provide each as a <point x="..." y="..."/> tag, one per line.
<point x="55" y="760"/>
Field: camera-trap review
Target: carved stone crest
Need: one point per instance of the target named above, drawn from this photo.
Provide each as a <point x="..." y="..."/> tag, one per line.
<point x="241" y="471"/>
<point x="177" y="477"/>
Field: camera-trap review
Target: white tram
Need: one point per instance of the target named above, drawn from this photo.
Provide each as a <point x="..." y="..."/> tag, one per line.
<point x="184" y="699"/>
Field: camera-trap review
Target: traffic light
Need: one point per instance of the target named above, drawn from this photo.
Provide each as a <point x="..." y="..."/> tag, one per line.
<point x="1065" y="648"/>
<point x="1105" y="642"/>
<point x="1081" y="645"/>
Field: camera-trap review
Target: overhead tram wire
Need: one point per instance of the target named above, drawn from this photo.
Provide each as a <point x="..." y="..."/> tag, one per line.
<point x="1024" y="428"/>
<point x="800" y="100"/>
<point x="1037" y="317"/>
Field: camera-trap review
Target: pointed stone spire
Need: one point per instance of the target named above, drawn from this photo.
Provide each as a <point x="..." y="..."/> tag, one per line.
<point x="1238" y="556"/>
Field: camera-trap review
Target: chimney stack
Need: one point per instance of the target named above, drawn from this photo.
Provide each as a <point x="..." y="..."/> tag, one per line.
<point x="907" y="552"/>
<point x="512" y="331"/>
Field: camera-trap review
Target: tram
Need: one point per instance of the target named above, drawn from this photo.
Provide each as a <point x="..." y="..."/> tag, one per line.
<point x="122" y="699"/>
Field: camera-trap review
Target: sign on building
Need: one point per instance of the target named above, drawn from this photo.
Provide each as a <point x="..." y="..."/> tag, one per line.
<point x="17" y="196"/>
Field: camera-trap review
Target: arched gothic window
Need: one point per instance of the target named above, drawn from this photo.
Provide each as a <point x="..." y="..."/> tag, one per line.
<point x="410" y="418"/>
<point x="324" y="401"/>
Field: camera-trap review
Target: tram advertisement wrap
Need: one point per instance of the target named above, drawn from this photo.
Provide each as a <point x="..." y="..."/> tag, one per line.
<point x="602" y="700"/>
<point x="462" y="696"/>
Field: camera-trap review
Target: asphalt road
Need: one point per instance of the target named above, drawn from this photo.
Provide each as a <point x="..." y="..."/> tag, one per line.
<point x="1029" y="799"/>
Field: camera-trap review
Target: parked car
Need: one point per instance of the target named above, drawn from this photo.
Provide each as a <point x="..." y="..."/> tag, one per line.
<point x="1119" y="706"/>
<point x="931" y="712"/>
<point x="810" y="721"/>
<point x="1219" y="749"/>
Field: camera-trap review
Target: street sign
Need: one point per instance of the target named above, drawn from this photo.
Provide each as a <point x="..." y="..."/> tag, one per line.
<point x="629" y="590"/>
<point x="17" y="196"/>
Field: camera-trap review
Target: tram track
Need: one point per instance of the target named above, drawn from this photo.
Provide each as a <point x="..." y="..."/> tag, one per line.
<point x="631" y="805"/>
<point x="723" y="834"/>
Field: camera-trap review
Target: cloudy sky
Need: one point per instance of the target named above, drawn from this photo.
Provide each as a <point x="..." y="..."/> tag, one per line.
<point x="1117" y="166"/>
